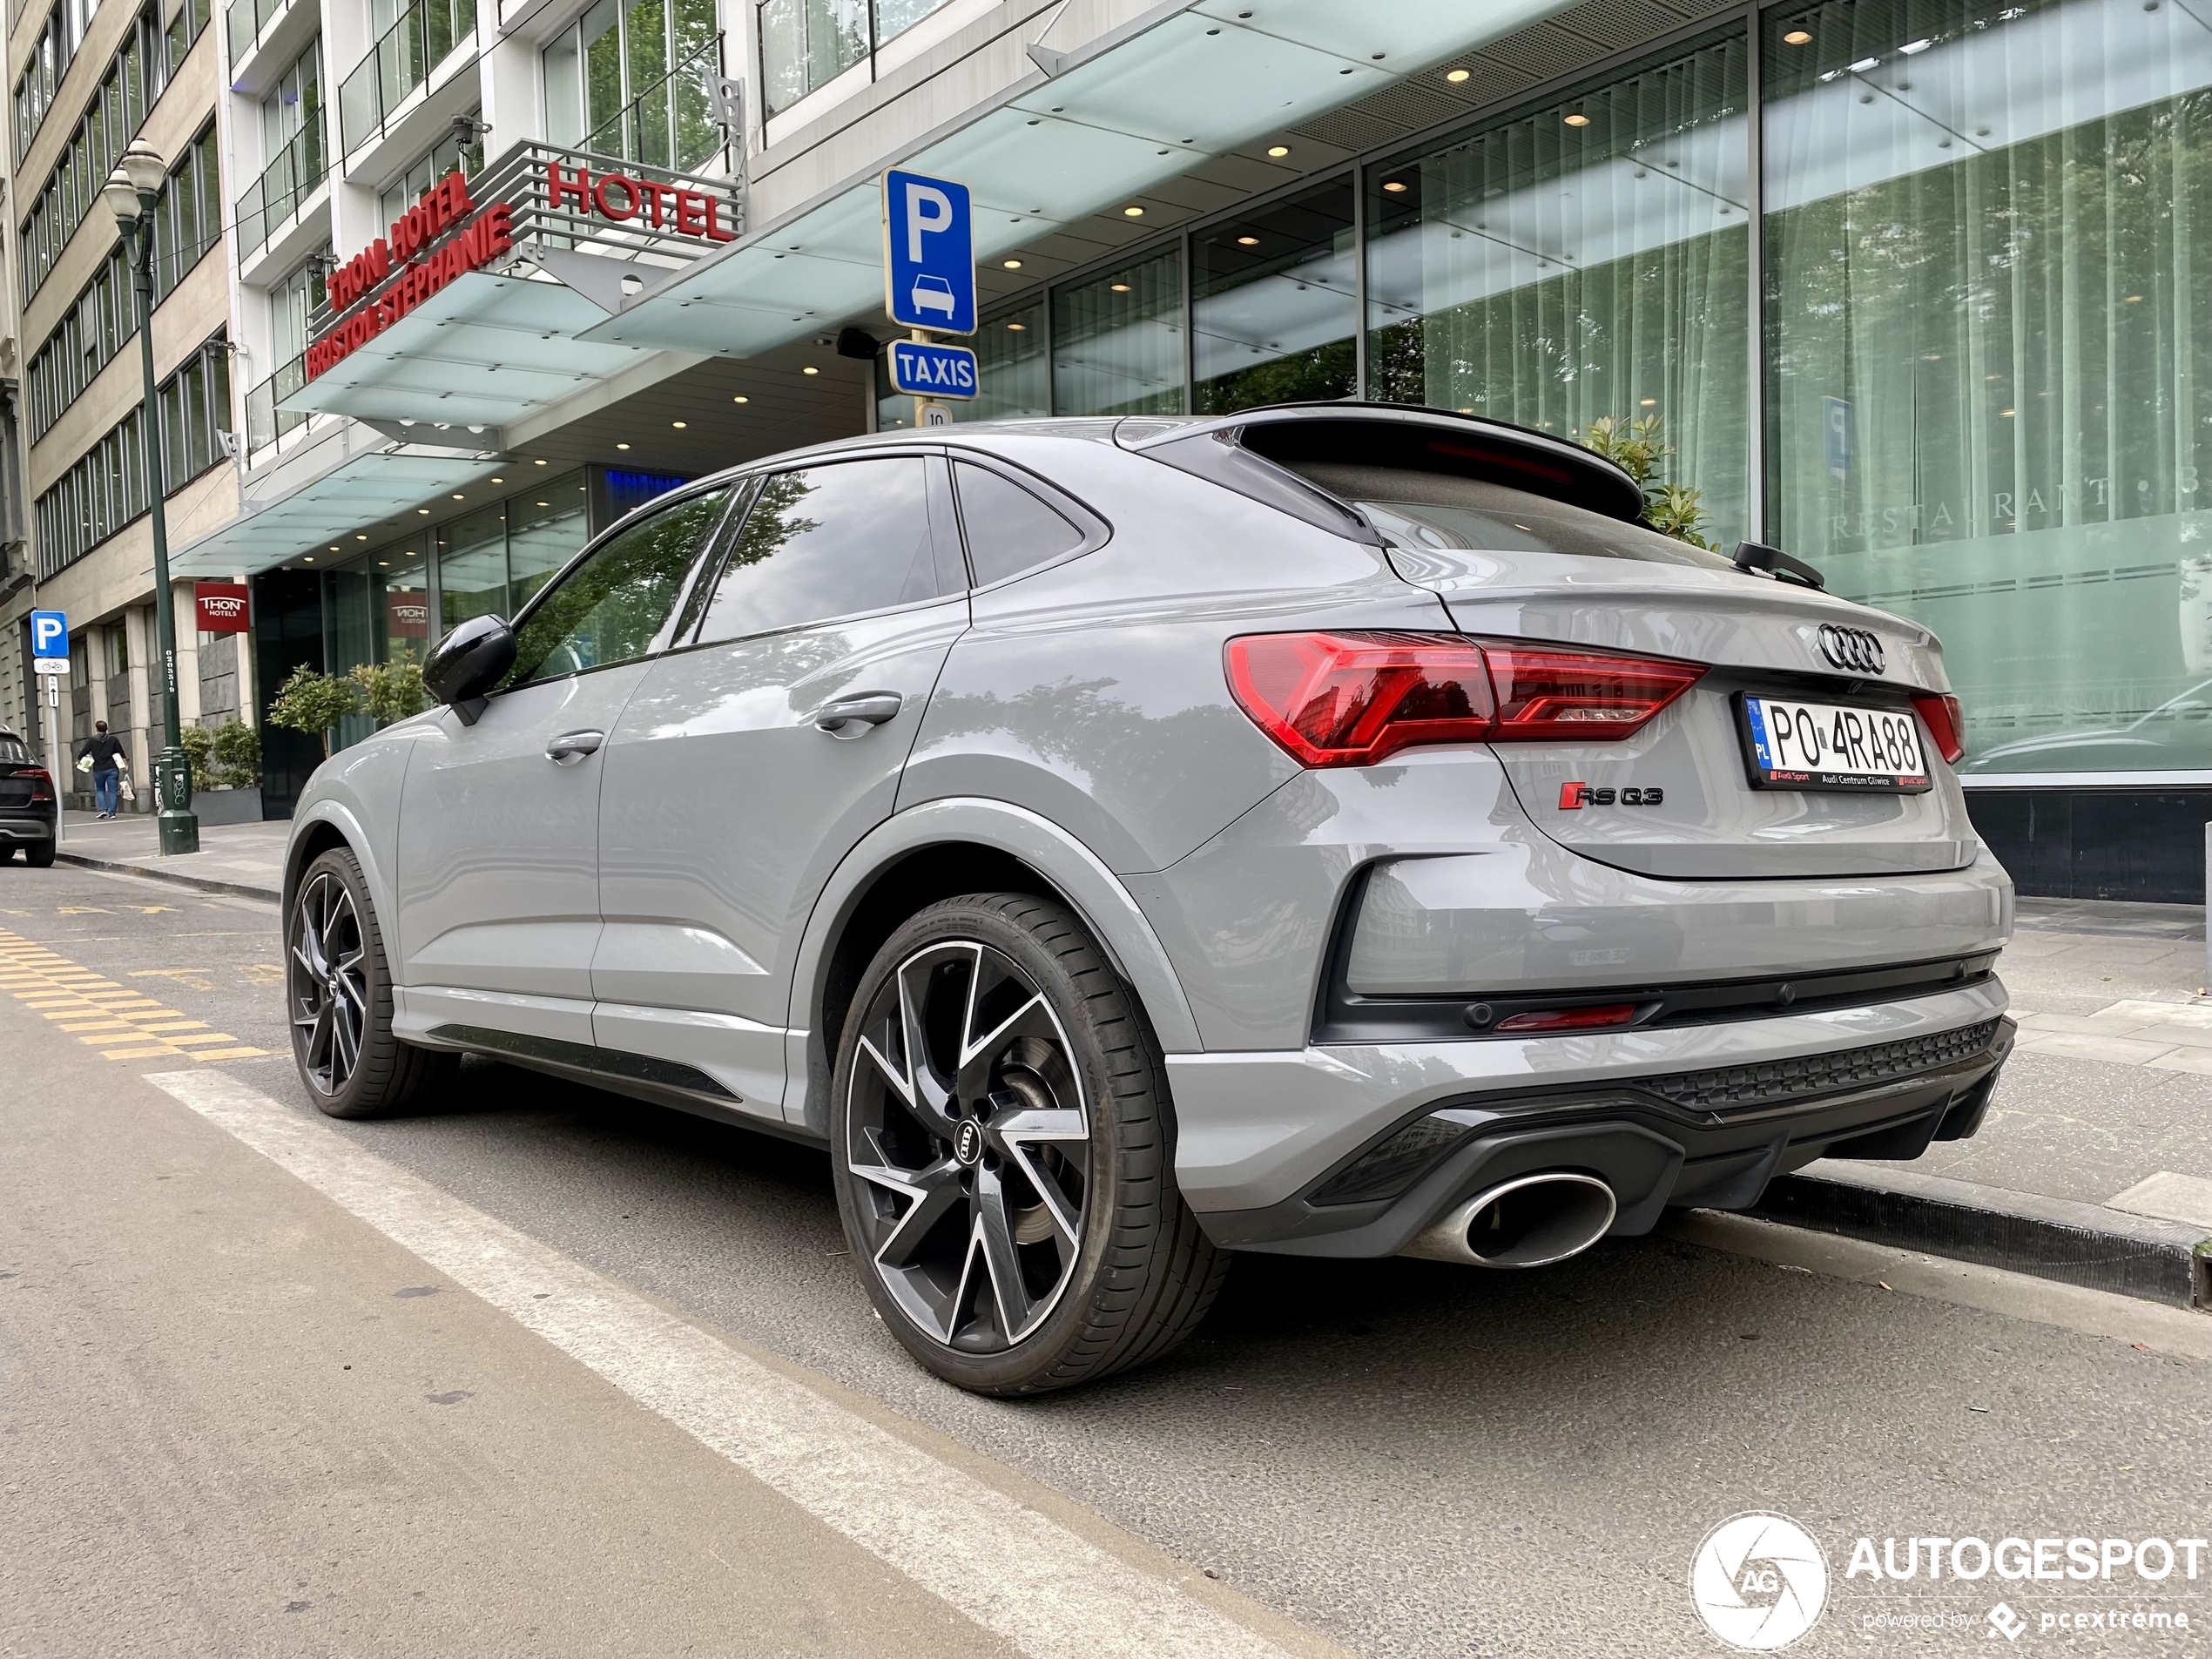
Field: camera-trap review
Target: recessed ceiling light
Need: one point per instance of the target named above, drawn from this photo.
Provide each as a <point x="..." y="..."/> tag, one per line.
<point x="537" y="463"/>
<point x="1278" y="150"/>
<point x="333" y="547"/>
<point x="424" y="511"/>
<point x="2133" y="300"/>
<point x="1119" y="287"/>
<point x="383" y="565"/>
<point x="1797" y="38"/>
<point x="1578" y="119"/>
<point x="1013" y="265"/>
<point x="499" y="480"/>
<point x="545" y="503"/>
<point x="1248" y="241"/>
<point x="1132" y="213"/>
<point x="1017" y="327"/>
<point x="361" y="538"/>
<point x="1455" y="75"/>
<point x="810" y="369"/>
<point x="460" y="497"/>
<point x="679" y="425"/>
<point x="1394" y="186"/>
<point x="741" y="398"/>
<point x="621" y="445"/>
<point x="310" y="559"/>
<point x="1647" y="402"/>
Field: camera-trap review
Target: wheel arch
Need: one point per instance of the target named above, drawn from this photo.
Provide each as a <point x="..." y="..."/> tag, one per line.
<point x="936" y="850"/>
<point x="323" y="825"/>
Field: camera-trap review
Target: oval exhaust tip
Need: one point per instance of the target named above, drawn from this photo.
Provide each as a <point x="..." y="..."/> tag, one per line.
<point x="1531" y="1222"/>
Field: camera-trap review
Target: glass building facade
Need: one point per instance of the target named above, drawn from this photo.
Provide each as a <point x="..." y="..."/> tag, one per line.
<point x="1910" y="284"/>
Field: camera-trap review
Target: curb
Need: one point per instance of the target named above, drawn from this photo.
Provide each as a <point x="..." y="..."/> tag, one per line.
<point x="204" y="884"/>
<point x="2053" y="1238"/>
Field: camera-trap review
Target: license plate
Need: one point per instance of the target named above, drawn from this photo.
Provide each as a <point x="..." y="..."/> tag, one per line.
<point x="1828" y="746"/>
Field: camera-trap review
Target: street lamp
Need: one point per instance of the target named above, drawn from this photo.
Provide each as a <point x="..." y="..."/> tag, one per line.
<point x="131" y="192"/>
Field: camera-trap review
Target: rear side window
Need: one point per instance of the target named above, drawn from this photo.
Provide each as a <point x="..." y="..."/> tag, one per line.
<point x="12" y="752"/>
<point x="1009" y="528"/>
<point x="611" y="608"/>
<point x="832" y="541"/>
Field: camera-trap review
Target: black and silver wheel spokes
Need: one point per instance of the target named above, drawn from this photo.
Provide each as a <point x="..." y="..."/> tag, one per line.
<point x="329" y="983"/>
<point x="967" y="1123"/>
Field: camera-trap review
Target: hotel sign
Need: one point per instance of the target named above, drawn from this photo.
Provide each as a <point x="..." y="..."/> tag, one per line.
<point x="449" y="233"/>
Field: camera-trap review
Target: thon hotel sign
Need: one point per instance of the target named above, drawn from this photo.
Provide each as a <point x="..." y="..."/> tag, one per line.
<point x="448" y="235"/>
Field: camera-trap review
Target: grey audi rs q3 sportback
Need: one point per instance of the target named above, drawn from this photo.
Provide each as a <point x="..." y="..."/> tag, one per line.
<point x="1331" y="830"/>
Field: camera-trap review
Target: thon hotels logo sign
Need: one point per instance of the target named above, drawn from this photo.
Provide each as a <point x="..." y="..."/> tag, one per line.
<point x="223" y="607"/>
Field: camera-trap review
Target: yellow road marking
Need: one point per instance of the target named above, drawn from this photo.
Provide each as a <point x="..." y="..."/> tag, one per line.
<point x="98" y="1011"/>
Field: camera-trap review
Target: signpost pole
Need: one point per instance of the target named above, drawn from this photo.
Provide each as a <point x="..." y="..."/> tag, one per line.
<point x="56" y="757"/>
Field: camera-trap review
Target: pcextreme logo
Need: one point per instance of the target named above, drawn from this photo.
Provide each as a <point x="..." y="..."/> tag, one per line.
<point x="1759" y="1582"/>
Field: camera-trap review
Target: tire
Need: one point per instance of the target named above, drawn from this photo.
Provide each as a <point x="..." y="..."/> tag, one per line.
<point x="338" y="996"/>
<point x="39" y="855"/>
<point x="1014" y="1218"/>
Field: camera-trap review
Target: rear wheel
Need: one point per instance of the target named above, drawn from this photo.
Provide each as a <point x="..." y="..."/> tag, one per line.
<point x="338" y="993"/>
<point x="1001" y="1142"/>
<point x="39" y="855"/>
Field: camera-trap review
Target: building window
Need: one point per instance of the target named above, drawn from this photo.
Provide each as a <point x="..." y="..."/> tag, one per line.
<point x="491" y="561"/>
<point x="135" y="78"/>
<point x="808" y="43"/>
<point x="1989" y="403"/>
<point x="292" y="301"/>
<point x="1586" y="259"/>
<point x="105" y="489"/>
<point x="1117" y="341"/>
<point x="1274" y="303"/>
<point x="627" y="79"/>
<point x="448" y="153"/>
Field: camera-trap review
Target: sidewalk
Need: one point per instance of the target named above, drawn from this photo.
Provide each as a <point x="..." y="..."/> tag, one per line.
<point x="2095" y="1164"/>
<point x="243" y="858"/>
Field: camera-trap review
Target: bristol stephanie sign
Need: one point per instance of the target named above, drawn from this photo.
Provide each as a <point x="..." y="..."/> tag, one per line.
<point x="448" y="235"/>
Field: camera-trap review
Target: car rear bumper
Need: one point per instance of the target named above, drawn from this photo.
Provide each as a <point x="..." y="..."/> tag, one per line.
<point x="21" y="824"/>
<point x="1271" y="1146"/>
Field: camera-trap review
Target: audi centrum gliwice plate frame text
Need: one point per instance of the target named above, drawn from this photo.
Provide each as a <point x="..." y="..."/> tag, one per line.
<point x="1331" y="830"/>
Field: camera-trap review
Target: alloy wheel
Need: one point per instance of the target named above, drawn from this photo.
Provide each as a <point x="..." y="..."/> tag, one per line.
<point x="966" y="1125"/>
<point x="329" y="982"/>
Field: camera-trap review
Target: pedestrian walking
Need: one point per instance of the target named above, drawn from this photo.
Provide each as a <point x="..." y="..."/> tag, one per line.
<point x="106" y="752"/>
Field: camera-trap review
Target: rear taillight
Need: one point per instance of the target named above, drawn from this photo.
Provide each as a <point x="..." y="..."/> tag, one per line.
<point x="42" y="782"/>
<point x="1351" y="699"/>
<point x="1946" y="724"/>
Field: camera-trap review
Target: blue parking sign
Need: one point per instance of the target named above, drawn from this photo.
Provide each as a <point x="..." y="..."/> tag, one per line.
<point x="49" y="634"/>
<point x="932" y="371"/>
<point x="928" y="254"/>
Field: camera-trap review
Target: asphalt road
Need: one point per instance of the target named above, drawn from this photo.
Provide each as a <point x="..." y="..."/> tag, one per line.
<point x="1396" y="1458"/>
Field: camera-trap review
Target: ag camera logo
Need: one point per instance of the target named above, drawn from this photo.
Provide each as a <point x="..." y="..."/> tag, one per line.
<point x="1759" y="1582"/>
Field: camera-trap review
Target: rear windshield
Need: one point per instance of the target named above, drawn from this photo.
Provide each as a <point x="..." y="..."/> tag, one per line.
<point x="1434" y="512"/>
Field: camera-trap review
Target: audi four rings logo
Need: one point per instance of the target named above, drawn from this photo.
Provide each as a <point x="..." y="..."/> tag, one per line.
<point x="1853" y="649"/>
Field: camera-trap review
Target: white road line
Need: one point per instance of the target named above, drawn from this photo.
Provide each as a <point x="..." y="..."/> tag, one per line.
<point x="1052" y="1594"/>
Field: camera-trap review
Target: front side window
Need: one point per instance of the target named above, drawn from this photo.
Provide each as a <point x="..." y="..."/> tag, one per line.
<point x="833" y="541"/>
<point x="612" y="607"/>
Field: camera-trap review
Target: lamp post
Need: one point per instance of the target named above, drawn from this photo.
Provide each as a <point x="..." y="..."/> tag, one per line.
<point x="131" y="192"/>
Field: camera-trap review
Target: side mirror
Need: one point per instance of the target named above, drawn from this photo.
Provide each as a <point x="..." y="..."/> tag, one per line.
<point x="467" y="662"/>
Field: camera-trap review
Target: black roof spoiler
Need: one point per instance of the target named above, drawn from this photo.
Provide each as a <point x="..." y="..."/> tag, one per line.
<point x="1390" y="435"/>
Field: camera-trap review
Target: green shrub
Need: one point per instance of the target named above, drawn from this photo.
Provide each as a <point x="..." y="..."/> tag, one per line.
<point x="237" y="750"/>
<point x="315" y="704"/>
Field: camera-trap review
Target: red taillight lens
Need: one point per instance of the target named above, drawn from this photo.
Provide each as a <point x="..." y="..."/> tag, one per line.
<point x="1572" y="1019"/>
<point x="1946" y="724"/>
<point x="1575" y="697"/>
<point x="42" y="782"/>
<point x="1351" y="699"/>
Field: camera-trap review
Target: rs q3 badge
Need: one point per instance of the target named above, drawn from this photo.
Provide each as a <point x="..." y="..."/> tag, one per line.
<point x="1574" y="797"/>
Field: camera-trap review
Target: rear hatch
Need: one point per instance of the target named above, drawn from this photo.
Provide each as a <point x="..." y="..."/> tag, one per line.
<point x="16" y="768"/>
<point x="1680" y="798"/>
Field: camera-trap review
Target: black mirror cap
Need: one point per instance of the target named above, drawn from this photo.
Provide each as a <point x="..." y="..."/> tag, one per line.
<point x="467" y="662"/>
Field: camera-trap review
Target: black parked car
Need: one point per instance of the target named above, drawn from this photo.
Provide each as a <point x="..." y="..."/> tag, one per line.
<point x="27" y="803"/>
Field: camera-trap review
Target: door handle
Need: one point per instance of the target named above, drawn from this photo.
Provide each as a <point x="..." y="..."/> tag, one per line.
<point x="572" y="746"/>
<point x="852" y="716"/>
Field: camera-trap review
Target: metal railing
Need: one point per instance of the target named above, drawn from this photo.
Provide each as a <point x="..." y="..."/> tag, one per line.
<point x="264" y="422"/>
<point x="424" y="36"/>
<point x="669" y="124"/>
<point x="245" y="22"/>
<point x="275" y="196"/>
